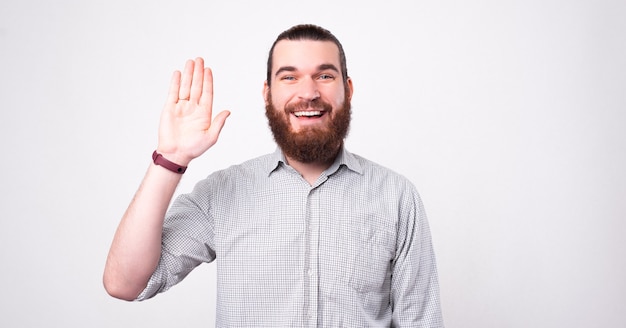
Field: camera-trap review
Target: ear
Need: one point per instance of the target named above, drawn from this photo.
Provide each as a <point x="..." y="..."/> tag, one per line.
<point x="266" y="92"/>
<point x="350" y="88"/>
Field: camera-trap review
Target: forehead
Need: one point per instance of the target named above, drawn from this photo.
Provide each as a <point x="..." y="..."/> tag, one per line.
<point x="303" y="54"/>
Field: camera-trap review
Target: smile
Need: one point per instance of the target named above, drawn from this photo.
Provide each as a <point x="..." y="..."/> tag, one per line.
<point x="312" y="113"/>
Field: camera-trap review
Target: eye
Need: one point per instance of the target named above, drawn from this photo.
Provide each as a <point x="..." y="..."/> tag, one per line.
<point x="326" y="77"/>
<point x="288" y="78"/>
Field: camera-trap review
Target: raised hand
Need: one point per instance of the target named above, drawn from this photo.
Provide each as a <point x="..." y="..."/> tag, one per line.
<point x="187" y="129"/>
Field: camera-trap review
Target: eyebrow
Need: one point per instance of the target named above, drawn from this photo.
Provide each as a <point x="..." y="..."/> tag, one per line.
<point x="321" y="67"/>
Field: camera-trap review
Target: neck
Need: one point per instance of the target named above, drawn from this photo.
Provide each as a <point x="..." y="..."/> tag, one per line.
<point x="309" y="171"/>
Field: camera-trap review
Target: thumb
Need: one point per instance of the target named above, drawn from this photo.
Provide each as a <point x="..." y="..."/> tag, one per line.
<point x="217" y="125"/>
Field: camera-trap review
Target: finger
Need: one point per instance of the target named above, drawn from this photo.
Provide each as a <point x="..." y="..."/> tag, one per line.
<point x="197" y="80"/>
<point x="207" y="88"/>
<point x="172" y="94"/>
<point x="217" y="125"/>
<point x="185" y="82"/>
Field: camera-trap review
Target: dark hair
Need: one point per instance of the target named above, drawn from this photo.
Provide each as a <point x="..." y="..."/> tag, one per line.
<point x="312" y="33"/>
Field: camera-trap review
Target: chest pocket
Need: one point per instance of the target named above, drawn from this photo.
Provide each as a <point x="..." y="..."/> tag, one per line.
<point x="370" y="264"/>
<point x="359" y="249"/>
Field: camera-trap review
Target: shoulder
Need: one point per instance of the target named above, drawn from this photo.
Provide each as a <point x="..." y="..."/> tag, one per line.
<point x="390" y="190"/>
<point x="380" y="174"/>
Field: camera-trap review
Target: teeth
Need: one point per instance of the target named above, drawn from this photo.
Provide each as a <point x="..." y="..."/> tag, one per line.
<point x="308" y="113"/>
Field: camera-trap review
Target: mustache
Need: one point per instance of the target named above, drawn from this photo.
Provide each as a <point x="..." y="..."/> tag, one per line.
<point x="308" y="105"/>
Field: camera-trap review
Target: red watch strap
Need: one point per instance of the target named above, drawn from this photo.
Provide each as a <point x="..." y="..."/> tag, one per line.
<point x="162" y="161"/>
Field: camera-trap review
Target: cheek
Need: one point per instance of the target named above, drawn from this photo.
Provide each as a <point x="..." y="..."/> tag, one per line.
<point x="277" y="101"/>
<point x="337" y="96"/>
<point x="339" y="101"/>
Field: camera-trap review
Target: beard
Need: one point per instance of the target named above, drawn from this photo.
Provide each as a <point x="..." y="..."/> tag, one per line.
<point x="310" y="144"/>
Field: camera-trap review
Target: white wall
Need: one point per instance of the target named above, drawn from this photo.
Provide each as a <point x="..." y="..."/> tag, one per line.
<point x="507" y="115"/>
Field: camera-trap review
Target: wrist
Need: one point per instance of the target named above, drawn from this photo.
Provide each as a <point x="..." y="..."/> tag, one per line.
<point x="160" y="160"/>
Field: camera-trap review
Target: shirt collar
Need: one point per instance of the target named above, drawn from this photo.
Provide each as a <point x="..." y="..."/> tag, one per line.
<point x="344" y="158"/>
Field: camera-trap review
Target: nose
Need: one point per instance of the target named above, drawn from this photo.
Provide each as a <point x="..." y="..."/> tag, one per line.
<point x="308" y="89"/>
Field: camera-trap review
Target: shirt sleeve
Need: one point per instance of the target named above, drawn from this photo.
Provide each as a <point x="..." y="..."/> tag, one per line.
<point x="187" y="241"/>
<point x="414" y="286"/>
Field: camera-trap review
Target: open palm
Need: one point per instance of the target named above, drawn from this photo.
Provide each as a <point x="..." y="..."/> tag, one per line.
<point x="187" y="128"/>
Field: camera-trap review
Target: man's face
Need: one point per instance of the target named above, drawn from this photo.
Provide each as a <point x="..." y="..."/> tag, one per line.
<point x="308" y="103"/>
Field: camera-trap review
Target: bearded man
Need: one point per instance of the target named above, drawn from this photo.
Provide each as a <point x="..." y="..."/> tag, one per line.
<point x="310" y="235"/>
